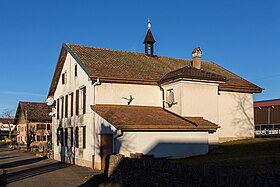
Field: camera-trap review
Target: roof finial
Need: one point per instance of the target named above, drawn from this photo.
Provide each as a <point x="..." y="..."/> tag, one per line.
<point x="149" y="23"/>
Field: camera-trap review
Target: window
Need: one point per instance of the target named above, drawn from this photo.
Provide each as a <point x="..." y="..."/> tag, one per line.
<point x="66" y="137"/>
<point x="57" y="109"/>
<point x="72" y="103"/>
<point x="61" y="137"/>
<point x="62" y="104"/>
<point x="41" y="126"/>
<point x="77" y="102"/>
<point x="84" y="137"/>
<point x="80" y="137"/>
<point x="57" y="137"/>
<point x="76" y="70"/>
<point x="64" y="78"/>
<point x="66" y="106"/>
<point x="49" y="138"/>
<point x="48" y="126"/>
<point x="77" y="137"/>
<point x="82" y="109"/>
<point x="70" y="136"/>
<point x="83" y="90"/>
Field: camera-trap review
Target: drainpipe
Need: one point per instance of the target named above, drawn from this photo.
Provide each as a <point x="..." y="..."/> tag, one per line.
<point x="97" y="82"/>
<point x="119" y="134"/>
<point x="163" y="102"/>
<point x="161" y="89"/>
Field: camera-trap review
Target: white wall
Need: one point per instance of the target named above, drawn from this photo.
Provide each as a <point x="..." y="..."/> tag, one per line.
<point x="164" y="144"/>
<point x="195" y="99"/>
<point x="236" y="115"/>
<point x="161" y="144"/>
<point x="82" y="156"/>
<point x="145" y="95"/>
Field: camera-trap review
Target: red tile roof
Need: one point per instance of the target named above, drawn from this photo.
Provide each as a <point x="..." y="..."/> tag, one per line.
<point x="34" y="111"/>
<point x="192" y="73"/>
<point x="273" y="102"/>
<point x="126" y="117"/>
<point x="7" y="120"/>
<point x="131" y="67"/>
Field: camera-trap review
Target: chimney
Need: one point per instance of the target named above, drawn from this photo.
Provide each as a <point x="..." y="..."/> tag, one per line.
<point x="196" y="54"/>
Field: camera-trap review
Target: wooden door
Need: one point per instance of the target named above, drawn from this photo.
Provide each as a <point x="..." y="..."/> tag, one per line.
<point x="106" y="147"/>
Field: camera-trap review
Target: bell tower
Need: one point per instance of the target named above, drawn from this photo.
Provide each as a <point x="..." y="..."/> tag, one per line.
<point x="149" y="41"/>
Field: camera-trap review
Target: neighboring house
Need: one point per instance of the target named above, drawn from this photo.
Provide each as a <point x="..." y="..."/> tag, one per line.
<point x="267" y="117"/>
<point x="33" y="123"/>
<point x="7" y="128"/>
<point x="128" y="102"/>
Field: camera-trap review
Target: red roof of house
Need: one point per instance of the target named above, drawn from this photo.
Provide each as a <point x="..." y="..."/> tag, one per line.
<point x="273" y="102"/>
<point x="139" y="68"/>
<point x="126" y="117"/>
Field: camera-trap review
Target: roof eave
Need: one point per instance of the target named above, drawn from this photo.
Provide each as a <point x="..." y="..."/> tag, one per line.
<point x="124" y="80"/>
<point x="241" y="89"/>
<point x="59" y="66"/>
<point x="190" y="79"/>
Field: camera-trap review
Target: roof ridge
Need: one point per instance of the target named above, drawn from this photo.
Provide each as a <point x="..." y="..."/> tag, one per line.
<point x="132" y="52"/>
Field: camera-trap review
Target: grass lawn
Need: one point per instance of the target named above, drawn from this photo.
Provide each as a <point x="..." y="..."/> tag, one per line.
<point x="252" y="155"/>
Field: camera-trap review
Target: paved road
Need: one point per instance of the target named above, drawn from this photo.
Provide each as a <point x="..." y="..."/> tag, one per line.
<point x="25" y="169"/>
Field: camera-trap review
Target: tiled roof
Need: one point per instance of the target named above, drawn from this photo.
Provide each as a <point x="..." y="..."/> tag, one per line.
<point x="133" y="67"/>
<point x="7" y="120"/>
<point x="274" y="102"/>
<point x="34" y="111"/>
<point x="192" y="73"/>
<point x="126" y="117"/>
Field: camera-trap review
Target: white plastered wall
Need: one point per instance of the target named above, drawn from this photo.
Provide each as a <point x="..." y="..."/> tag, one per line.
<point x="164" y="144"/>
<point x="79" y="156"/>
<point x="113" y="93"/>
<point x="236" y="115"/>
<point x="195" y="99"/>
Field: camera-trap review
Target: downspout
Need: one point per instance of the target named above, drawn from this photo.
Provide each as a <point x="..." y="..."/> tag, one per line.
<point x="163" y="102"/>
<point x="163" y="106"/>
<point x="97" y="82"/>
<point x="116" y="137"/>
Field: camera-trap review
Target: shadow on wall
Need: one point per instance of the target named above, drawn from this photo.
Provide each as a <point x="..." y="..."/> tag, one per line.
<point x="243" y="122"/>
<point x="159" y="149"/>
<point x="178" y="149"/>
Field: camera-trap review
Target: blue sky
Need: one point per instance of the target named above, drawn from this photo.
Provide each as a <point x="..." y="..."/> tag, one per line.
<point x="242" y="36"/>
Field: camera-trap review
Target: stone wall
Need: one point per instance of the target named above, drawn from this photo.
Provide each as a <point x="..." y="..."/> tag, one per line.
<point x="160" y="172"/>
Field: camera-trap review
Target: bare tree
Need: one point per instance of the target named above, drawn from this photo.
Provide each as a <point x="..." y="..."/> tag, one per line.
<point x="8" y="114"/>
